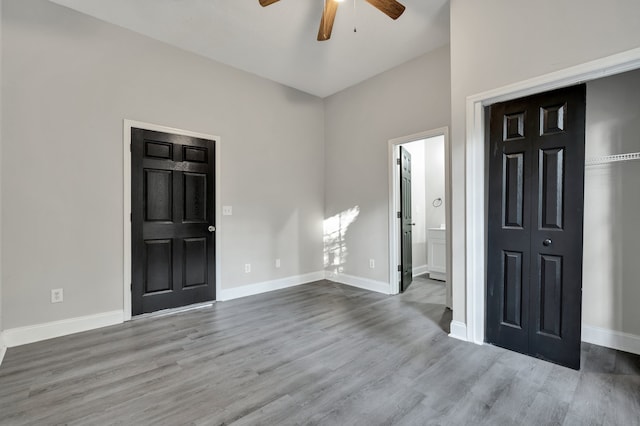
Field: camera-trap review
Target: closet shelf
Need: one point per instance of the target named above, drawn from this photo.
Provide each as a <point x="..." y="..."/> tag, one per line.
<point x="612" y="158"/>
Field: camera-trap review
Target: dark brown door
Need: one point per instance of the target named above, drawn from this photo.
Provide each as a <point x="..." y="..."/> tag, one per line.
<point x="406" y="224"/>
<point x="173" y="245"/>
<point x="536" y="197"/>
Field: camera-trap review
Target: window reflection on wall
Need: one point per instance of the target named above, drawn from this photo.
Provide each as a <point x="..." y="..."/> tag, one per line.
<point x="335" y="246"/>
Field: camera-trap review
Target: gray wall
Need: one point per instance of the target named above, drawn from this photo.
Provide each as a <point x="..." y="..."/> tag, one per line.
<point x="360" y="121"/>
<point x="68" y="82"/>
<point x="611" y="271"/>
<point x="1" y="323"/>
<point x="498" y="42"/>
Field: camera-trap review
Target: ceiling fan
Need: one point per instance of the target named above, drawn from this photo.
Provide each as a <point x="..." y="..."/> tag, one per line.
<point x="391" y="8"/>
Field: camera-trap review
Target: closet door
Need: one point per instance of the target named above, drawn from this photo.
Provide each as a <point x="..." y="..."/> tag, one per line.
<point x="534" y="256"/>
<point x="509" y="227"/>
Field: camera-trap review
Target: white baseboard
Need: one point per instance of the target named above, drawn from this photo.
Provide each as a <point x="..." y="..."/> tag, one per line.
<point x="419" y="270"/>
<point x="611" y="339"/>
<point x="598" y="336"/>
<point x="364" y="283"/>
<point x="263" y="287"/>
<point x="3" y="347"/>
<point x="458" y="331"/>
<point x="438" y="276"/>
<point x="35" y="333"/>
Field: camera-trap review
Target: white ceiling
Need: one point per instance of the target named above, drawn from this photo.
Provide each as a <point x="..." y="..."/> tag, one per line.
<point x="278" y="42"/>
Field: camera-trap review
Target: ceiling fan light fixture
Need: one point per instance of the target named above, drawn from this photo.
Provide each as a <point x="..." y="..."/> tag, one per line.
<point x="392" y="8"/>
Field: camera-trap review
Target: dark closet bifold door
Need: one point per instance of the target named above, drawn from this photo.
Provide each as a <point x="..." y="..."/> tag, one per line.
<point x="536" y="197"/>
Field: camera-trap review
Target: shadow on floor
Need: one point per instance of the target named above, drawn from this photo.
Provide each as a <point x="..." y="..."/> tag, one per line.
<point x="428" y="297"/>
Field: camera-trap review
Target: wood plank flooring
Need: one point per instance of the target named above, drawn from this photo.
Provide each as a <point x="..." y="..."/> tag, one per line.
<point x="321" y="353"/>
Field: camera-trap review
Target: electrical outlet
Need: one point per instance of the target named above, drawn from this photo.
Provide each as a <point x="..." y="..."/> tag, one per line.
<point x="372" y="263"/>
<point x="247" y="267"/>
<point x="57" y="295"/>
<point x="277" y="263"/>
<point x="227" y="210"/>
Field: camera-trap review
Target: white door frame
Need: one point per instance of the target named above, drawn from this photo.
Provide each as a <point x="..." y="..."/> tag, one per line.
<point x="126" y="211"/>
<point x="394" y="205"/>
<point x="475" y="251"/>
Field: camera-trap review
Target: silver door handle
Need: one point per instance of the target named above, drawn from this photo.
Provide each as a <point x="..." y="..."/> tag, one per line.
<point x="547" y="242"/>
<point x="211" y="228"/>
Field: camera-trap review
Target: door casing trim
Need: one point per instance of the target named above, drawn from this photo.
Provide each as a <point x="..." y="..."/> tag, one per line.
<point x="475" y="202"/>
<point x="394" y="185"/>
<point x="126" y="211"/>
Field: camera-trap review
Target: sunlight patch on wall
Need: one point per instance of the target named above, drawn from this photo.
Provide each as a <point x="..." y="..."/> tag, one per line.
<point x="335" y="247"/>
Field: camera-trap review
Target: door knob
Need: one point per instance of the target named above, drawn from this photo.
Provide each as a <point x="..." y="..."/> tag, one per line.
<point x="412" y="224"/>
<point x="211" y="228"/>
<point x="547" y="242"/>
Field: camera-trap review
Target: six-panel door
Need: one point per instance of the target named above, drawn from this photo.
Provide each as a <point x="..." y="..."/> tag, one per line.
<point x="173" y="251"/>
<point x="406" y="222"/>
<point x="534" y="255"/>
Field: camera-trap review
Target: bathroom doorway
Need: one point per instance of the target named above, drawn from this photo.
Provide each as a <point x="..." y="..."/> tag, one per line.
<point x="429" y="200"/>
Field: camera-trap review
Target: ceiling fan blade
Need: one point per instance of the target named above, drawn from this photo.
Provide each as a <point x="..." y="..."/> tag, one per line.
<point x="391" y="8"/>
<point x="264" y="3"/>
<point x="326" y="23"/>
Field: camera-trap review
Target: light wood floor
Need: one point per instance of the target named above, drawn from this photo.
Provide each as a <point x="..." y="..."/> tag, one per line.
<point x="321" y="353"/>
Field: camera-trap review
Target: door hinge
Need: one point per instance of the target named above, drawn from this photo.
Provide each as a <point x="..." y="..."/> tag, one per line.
<point x="399" y="268"/>
<point x="131" y="286"/>
<point x="399" y="215"/>
<point x="398" y="161"/>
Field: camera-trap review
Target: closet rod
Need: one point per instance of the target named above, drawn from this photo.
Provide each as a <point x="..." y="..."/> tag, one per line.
<point x="612" y="158"/>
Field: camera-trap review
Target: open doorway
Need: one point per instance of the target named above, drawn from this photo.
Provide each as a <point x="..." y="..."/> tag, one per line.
<point x="423" y="219"/>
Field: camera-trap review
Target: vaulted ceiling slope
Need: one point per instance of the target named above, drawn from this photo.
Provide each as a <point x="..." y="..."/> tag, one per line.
<point x="279" y="42"/>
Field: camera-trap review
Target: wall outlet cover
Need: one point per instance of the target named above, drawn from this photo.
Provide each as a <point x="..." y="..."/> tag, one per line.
<point x="57" y="295"/>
